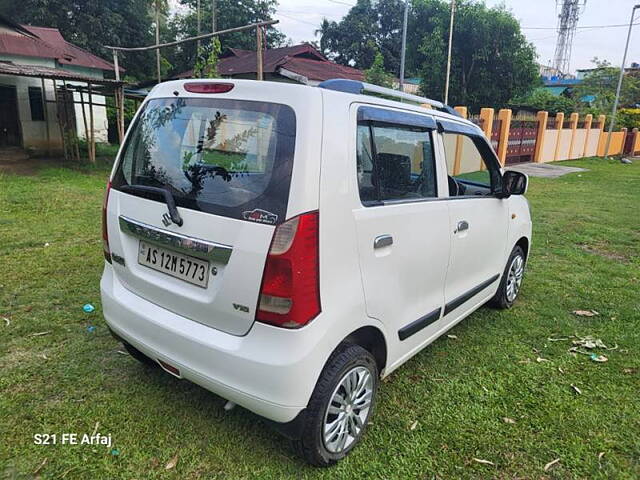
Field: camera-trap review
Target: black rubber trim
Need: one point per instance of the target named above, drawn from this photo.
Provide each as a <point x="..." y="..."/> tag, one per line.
<point x="452" y="305"/>
<point x="455" y="127"/>
<point x="395" y="117"/>
<point x="417" y="325"/>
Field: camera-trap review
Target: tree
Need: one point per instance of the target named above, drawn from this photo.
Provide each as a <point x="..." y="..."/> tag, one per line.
<point x="377" y="74"/>
<point x="364" y="31"/>
<point x="231" y="13"/>
<point x="491" y="62"/>
<point x="207" y="60"/>
<point x="92" y="25"/>
<point x="599" y="88"/>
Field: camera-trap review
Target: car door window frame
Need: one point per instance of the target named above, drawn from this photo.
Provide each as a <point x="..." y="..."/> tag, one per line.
<point x="487" y="154"/>
<point x="382" y="117"/>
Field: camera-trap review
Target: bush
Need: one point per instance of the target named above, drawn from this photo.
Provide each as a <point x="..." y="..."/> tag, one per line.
<point x="543" y="99"/>
<point x="628" y="118"/>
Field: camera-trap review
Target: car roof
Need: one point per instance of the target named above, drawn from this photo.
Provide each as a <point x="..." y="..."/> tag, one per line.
<point x="167" y="89"/>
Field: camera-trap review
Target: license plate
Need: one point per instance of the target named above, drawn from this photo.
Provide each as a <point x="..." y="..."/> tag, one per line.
<point x="184" y="267"/>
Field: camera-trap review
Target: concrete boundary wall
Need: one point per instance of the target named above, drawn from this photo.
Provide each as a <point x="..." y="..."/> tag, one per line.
<point x="558" y="137"/>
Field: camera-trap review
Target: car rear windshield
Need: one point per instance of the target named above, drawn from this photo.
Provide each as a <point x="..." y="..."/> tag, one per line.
<point x="226" y="157"/>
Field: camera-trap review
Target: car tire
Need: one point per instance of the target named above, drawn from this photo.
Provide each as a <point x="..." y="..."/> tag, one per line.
<point x="332" y="429"/>
<point x="511" y="280"/>
<point x="138" y="355"/>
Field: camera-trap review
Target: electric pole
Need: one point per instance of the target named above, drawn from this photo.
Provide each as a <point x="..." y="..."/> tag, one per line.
<point x="158" y="40"/>
<point x="446" y="83"/>
<point x="213" y="16"/>
<point x="615" y="102"/>
<point x="404" y="43"/>
<point x="198" y="20"/>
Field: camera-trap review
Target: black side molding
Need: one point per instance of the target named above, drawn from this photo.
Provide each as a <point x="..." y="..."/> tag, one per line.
<point x="417" y="325"/>
<point x="455" y="303"/>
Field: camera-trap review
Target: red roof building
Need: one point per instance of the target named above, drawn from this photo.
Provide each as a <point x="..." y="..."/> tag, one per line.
<point x="45" y="43"/>
<point x="299" y="63"/>
<point x="41" y="76"/>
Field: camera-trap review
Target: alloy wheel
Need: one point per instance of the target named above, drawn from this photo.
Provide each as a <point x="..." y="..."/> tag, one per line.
<point x="348" y="409"/>
<point x="514" y="277"/>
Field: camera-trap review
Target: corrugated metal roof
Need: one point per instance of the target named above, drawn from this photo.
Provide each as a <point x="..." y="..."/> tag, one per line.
<point x="70" y="54"/>
<point x="315" y="70"/>
<point x="44" y="42"/>
<point x="50" y="73"/>
<point x="301" y="59"/>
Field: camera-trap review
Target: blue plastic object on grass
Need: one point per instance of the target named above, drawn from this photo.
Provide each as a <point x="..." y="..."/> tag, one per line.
<point x="88" y="308"/>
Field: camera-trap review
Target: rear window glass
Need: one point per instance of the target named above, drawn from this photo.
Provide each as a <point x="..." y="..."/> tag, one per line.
<point x="227" y="157"/>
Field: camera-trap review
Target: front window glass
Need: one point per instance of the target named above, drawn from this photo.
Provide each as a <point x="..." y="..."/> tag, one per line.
<point x="469" y="172"/>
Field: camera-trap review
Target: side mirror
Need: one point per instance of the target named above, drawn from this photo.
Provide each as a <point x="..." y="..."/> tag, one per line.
<point x="514" y="183"/>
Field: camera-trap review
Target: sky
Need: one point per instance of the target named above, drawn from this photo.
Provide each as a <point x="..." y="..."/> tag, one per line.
<point x="300" y="18"/>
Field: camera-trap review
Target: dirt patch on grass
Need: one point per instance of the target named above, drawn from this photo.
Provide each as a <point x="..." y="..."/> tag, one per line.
<point x="29" y="166"/>
<point x="603" y="252"/>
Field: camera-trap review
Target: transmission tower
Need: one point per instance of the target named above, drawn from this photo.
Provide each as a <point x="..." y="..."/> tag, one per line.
<point x="567" y="21"/>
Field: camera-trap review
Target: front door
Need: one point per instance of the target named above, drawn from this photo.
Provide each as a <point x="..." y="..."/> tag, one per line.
<point x="478" y="221"/>
<point x="402" y="227"/>
<point x="9" y="129"/>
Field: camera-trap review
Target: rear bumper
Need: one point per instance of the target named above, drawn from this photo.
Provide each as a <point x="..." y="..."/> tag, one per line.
<point x="269" y="371"/>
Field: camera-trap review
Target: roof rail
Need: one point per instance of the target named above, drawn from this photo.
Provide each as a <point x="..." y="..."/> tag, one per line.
<point x="362" y="88"/>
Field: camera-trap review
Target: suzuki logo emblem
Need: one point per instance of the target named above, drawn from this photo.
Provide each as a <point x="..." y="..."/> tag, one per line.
<point x="166" y="219"/>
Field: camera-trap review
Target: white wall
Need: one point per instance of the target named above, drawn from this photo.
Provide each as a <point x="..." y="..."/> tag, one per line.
<point x="34" y="133"/>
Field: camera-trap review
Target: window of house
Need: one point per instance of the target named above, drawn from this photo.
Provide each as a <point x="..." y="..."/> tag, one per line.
<point x="470" y="166"/>
<point x="36" y="104"/>
<point x="394" y="162"/>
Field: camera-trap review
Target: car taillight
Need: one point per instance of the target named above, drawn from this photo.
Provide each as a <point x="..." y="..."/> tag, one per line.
<point x="208" y="87"/>
<point x="105" y="234"/>
<point x="290" y="292"/>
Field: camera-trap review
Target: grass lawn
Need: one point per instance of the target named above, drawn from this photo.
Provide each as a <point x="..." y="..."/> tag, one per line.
<point x="58" y="376"/>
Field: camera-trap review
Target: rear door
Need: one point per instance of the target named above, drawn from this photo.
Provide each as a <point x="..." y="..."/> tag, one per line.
<point x="227" y="164"/>
<point x="402" y="227"/>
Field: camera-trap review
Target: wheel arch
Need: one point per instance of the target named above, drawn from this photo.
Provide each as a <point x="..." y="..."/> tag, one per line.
<point x="523" y="243"/>
<point x="371" y="339"/>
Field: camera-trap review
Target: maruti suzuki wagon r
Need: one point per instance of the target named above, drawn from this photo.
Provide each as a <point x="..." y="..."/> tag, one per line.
<point x="287" y="246"/>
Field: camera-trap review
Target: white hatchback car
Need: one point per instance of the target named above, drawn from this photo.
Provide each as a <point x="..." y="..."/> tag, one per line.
<point x="287" y="246"/>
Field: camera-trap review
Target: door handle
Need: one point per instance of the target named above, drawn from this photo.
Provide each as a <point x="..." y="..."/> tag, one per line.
<point x="462" y="226"/>
<point x="383" y="241"/>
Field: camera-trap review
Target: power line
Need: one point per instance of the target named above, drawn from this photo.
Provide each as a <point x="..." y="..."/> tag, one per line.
<point x="582" y="27"/>
<point x="342" y="3"/>
<point x="298" y="20"/>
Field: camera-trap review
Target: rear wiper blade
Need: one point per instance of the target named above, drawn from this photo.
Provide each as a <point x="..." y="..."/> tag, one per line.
<point x="168" y="198"/>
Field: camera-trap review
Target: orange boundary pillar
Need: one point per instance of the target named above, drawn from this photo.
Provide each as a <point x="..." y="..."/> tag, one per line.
<point x="504" y="115"/>
<point x="559" y="125"/>
<point x="588" y="121"/>
<point x="543" y="118"/>
<point x="456" y="164"/>
<point x="573" y="125"/>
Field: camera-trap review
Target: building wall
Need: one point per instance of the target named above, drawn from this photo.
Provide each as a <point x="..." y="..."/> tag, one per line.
<point x="34" y="133"/>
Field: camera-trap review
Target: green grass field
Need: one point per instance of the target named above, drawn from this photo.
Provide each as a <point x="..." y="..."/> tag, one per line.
<point x="58" y="376"/>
